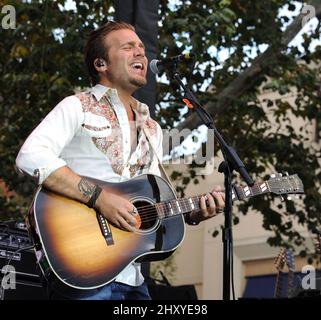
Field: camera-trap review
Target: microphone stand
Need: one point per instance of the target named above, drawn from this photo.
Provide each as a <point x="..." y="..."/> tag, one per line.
<point x="231" y="162"/>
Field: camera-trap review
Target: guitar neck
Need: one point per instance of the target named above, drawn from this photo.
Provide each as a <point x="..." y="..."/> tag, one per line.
<point x="277" y="185"/>
<point x="241" y="193"/>
<point x="185" y="205"/>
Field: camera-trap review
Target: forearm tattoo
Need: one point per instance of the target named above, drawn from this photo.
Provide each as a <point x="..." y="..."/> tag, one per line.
<point x="86" y="188"/>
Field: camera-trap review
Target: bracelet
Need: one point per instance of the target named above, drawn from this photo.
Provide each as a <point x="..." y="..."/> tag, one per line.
<point x="189" y="220"/>
<point x="92" y="201"/>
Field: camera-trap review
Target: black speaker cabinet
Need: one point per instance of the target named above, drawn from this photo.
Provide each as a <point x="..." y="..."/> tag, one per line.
<point x="26" y="289"/>
<point x="14" y="244"/>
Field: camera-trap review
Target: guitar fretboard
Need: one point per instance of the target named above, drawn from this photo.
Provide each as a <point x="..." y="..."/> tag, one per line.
<point x="177" y="206"/>
<point x="278" y="185"/>
<point x="242" y="193"/>
<point x="185" y="205"/>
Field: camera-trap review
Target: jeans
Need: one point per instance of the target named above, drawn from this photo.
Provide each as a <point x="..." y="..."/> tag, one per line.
<point x="111" y="291"/>
<point x="120" y="291"/>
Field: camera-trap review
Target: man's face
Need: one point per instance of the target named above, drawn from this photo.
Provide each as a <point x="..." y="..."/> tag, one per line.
<point x="127" y="63"/>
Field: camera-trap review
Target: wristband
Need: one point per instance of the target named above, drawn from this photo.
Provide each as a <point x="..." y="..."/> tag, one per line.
<point x="92" y="201"/>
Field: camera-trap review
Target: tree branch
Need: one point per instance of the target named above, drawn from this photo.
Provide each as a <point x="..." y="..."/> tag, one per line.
<point x="247" y="79"/>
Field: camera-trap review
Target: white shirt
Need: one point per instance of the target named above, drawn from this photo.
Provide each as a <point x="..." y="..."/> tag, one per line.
<point x="90" y="133"/>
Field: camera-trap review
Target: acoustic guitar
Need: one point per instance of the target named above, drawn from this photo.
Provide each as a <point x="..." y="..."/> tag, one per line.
<point x="85" y="251"/>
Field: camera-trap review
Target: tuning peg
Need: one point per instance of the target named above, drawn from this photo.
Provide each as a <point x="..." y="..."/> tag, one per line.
<point x="297" y="196"/>
<point x="280" y="174"/>
<point x="273" y="175"/>
<point x="289" y="198"/>
<point x="281" y="198"/>
<point x="286" y="173"/>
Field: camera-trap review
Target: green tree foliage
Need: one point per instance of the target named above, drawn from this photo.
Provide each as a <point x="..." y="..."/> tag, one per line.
<point x="41" y="62"/>
<point x="259" y="60"/>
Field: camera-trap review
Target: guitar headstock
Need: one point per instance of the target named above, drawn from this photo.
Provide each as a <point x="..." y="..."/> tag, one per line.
<point x="279" y="261"/>
<point x="287" y="184"/>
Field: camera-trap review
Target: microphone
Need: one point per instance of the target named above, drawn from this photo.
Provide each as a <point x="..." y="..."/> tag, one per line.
<point x="156" y="66"/>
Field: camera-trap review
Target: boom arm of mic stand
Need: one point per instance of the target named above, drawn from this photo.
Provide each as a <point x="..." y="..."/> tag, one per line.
<point x="229" y="153"/>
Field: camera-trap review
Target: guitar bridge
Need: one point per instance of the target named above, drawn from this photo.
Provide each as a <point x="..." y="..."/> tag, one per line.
<point x="105" y="229"/>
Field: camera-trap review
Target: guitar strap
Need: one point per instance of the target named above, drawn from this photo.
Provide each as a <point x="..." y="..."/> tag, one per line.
<point x="152" y="142"/>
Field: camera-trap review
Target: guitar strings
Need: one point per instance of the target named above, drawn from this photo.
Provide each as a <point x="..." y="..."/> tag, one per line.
<point x="256" y="187"/>
<point x="184" y="201"/>
<point x="163" y="206"/>
<point x="150" y="212"/>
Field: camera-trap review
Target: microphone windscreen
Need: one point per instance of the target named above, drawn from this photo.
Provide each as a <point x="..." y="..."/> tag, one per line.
<point x="153" y="66"/>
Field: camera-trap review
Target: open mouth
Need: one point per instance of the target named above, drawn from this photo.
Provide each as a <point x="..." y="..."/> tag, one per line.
<point x="138" y="66"/>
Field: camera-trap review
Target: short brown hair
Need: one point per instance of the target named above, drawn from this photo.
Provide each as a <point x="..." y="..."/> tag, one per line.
<point x="95" y="47"/>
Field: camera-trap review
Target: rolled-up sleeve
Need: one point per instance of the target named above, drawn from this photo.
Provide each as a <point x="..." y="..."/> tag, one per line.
<point x="40" y="154"/>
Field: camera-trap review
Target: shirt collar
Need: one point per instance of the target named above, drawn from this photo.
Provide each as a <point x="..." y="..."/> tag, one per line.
<point x="99" y="90"/>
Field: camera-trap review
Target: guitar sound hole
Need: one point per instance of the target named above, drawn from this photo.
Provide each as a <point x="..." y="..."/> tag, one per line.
<point x="147" y="215"/>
